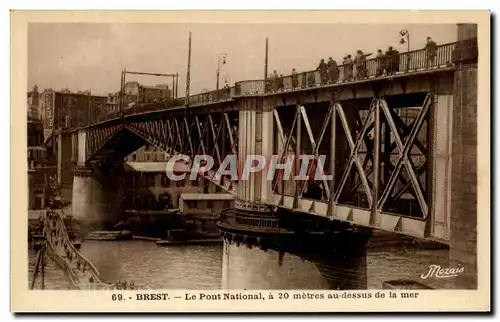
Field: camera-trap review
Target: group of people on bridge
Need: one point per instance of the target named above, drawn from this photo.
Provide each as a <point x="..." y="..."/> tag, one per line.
<point x="55" y="233"/>
<point x="59" y="240"/>
<point x="387" y="64"/>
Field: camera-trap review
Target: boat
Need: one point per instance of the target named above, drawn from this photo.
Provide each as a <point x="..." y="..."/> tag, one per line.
<point x="191" y="242"/>
<point x="37" y="241"/>
<point x="77" y="243"/>
<point x="146" y="238"/>
<point x="109" y="235"/>
<point x="404" y="284"/>
<point x="179" y="237"/>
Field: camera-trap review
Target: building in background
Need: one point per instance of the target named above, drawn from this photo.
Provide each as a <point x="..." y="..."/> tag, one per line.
<point x="63" y="109"/>
<point x="153" y="94"/>
<point x="41" y="163"/>
<point x="34" y="111"/>
<point x="113" y="103"/>
<point x="135" y="93"/>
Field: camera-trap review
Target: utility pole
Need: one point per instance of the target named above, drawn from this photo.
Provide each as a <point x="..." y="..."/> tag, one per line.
<point x="219" y="57"/>
<point x="122" y="86"/>
<point x="173" y="87"/>
<point x="188" y="75"/>
<point x="89" y="110"/>
<point x="177" y="85"/>
<point x="43" y="263"/>
<point x="266" y="59"/>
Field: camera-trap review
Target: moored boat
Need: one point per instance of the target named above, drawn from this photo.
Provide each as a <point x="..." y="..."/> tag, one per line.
<point x="109" y="235"/>
<point x="198" y="242"/>
<point x="404" y="284"/>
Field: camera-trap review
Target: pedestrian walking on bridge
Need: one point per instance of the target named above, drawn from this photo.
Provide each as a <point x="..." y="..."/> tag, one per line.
<point x="275" y="81"/>
<point x="348" y="68"/>
<point x="431" y="52"/>
<point x="392" y="60"/>
<point x="323" y="71"/>
<point x="380" y="59"/>
<point x="360" y="62"/>
<point x="333" y="71"/>
<point x="295" y="79"/>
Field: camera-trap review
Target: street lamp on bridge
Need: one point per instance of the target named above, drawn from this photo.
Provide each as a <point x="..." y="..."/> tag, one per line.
<point x="404" y="33"/>
<point x="221" y="58"/>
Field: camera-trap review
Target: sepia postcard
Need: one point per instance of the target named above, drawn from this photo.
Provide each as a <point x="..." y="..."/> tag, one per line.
<point x="260" y="161"/>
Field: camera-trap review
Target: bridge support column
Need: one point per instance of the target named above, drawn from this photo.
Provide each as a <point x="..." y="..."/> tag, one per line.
<point x="263" y="245"/>
<point x="255" y="138"/>
<point x="253" y="268"/>
<point x="82" y="183"/>
<point x="97" y="197"/>
<point x="441" y="164"/>
<point x="266" y="149"/>
<point x="463" y="233"/>
<point x="64" y="164"/>
<point x="225" y="266"/>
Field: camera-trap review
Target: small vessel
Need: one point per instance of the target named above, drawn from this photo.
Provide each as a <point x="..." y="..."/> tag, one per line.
<point x="77" y="243"/>
<point x="75" y="237"/>
<point x="36" y="241"/>
<point x="145" y="238"/>
<point x="179" y="237"/>
<point x="404" y="284"/>
<point x="109" y="235"/>
<point x="199" y="242"/>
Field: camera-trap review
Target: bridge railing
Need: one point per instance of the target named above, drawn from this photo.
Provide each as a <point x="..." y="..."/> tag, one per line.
<point x="151" y="107"/>
<point x="57" y="238"/>
<point x="127" y="110"/>
<point x="231" y="217"/>
<point x="250" y="87"/>
<point x="412" y="61"/>
<point x="212" y="96"/>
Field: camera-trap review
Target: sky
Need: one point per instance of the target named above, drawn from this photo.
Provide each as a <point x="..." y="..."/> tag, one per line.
<point x="82" y="56"/>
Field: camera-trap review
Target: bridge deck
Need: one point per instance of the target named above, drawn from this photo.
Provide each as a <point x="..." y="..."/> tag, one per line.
<point x="81" y="272"/>
<point x="411" y="63"/>
<point x="176" y="130"/>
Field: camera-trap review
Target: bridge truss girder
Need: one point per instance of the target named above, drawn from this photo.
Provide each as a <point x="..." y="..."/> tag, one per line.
<point x="380" y="160"/>
<point x="214" y="134"/>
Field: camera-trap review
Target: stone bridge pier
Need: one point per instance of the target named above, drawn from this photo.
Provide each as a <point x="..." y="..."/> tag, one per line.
<point x="267" y="248"/>
<point x="97" y="196"/>
<point x="463" y="203"/>
<point x="97" y="192"/>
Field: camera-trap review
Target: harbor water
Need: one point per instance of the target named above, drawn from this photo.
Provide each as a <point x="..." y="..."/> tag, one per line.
<point x="200" y="267"/>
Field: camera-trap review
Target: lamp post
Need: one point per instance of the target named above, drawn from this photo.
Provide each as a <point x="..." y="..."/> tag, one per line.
<point x="221" y="57"/>
<point x="404" y="33"/>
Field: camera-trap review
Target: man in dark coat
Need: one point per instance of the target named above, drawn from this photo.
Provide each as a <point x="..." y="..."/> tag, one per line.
<point x="281" y="83"/>
<point x="311" y="79"/>
<point x="323" y="71"/>
<point x="395" y="61"/>
<point x="431" y="51"/>
<point x="275" y="81"/>
<point x="348" y="68"/>
<point x="295" y="79"/>
<point x="269" y="83"/>
<point x="360" y="62"/>
<point x="227" y="91"/>
<point x="380" y="59"/>
<point x="390" y="61"/>
<point x="333" y="71"/>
